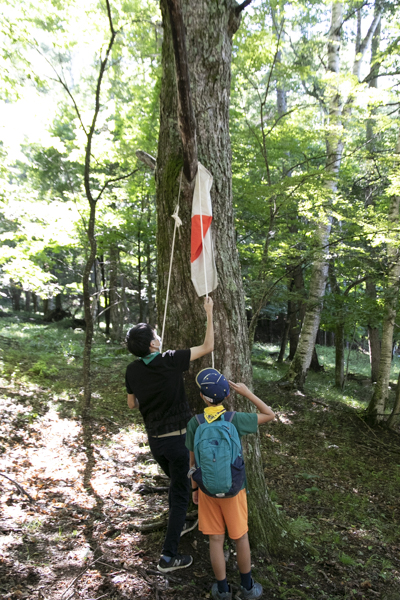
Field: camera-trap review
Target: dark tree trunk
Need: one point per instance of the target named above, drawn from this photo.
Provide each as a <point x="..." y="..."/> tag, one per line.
<point x="339" y="356"/>
<point x="394" y="418"/>
<point x="373" y="335"/>
<point x="15" y="291"/>
<point x="209" y="28"/>
<point x="115" y="298"/>
<point x="46" y="308"/>
<point x="28" y="297"/>
<point x="35" y="302"/>
<point x="285" y="336"/>
<point x="106" y="310"/>
<point x="59" y="302"/>
<point x="314" y="365"/>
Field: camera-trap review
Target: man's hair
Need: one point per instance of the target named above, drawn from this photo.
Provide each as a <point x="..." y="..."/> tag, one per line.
<point x="139" y="338"/>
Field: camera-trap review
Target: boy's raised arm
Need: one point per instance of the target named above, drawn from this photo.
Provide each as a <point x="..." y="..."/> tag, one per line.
<point x="266" y="414"/>
<point x="208" y="344"/>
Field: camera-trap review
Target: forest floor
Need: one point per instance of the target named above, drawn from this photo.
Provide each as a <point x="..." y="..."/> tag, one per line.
<point x="76" y="526"/>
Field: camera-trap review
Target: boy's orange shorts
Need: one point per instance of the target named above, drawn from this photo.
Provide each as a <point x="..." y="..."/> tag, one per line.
<point x="217" y="513"/>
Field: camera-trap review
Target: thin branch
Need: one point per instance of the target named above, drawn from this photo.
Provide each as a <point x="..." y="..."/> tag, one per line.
<point x="80" y="575"/>
<point x="103" y="65"/>
<point x="242" y="6"/>
<point x="63" y="83"/>
<point x="107" y="183"/>
<point x="147" y="159"/>
<point x="19" y="487"/>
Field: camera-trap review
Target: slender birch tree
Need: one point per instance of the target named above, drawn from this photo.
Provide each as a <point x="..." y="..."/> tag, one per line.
<point x="338" y="111"/>
<point x="377" y="405"/>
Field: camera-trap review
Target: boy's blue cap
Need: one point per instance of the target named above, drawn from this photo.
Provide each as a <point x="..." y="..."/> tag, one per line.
<point x="213" y="385"/>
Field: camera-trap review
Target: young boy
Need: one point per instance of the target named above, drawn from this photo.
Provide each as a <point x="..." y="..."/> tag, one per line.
<point x="155" y="385"/>
<point x="217" y="513"/>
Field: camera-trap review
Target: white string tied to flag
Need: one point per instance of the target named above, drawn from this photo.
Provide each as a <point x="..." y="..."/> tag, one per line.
<point x="178" y="223"/>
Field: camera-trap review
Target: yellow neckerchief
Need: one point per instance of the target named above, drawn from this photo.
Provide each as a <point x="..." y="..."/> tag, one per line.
<point x="212" y="413"/>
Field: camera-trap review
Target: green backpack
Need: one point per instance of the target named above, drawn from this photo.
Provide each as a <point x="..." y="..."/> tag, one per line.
<point x="218" y="454"/>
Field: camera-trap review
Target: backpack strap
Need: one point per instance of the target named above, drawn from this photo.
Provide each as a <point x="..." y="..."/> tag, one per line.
<point x="200" y="419"/>
<point x="228" y="416"/>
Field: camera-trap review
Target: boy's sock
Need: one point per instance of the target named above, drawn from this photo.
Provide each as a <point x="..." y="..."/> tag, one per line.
<point x="166" y="558"/>
<point x="246" y="580"/>
<point x="223" y="585"/>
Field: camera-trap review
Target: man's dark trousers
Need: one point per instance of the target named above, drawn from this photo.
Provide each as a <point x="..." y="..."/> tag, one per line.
<point x="173" y="457"/>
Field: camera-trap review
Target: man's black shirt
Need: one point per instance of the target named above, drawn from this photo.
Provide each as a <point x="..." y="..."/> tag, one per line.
<point x="159" y="389"/>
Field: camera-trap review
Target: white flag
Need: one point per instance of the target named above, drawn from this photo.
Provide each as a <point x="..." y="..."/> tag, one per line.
<point x="204" y="272"/>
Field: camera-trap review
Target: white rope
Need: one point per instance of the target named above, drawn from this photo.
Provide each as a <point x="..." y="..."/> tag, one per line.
<point x="178" y="223"/>
<point x="204" y="267"/>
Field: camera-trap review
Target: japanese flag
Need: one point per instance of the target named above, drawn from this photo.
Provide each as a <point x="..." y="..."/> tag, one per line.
<point x="204" y="272"/>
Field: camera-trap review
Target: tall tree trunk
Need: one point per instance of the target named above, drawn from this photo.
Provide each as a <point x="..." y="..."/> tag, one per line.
<point x="285" y="336"/>
<point x="46" y="309"/>
<point x="35" y="302"/>
<point x="373" y="334"/>
<point x="334" y="149"/>
<point x="334" y="146"/>
<point x="106" y="310"/>
<point x="115" y="298"/>
<point x="370" y="289"/>
<point x="15" y="291"/>
<point x="339" y="354"/>
<point x="377" y="405"/>
<point x="209" y="26"/>
<point x="394" y="418"/>
<point x="28" y="297"/>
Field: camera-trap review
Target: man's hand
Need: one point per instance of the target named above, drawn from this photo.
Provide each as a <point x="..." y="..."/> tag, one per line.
<point x="208" y="344"/>
<point x="240" y="388"/>
<point x="195" y="496"/>
<point x="208" y="305"/>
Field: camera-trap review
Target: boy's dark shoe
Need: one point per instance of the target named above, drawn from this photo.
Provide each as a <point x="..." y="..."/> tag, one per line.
<point x="180" y="561"/>
<point x="220" y="595"/>
<point x="254" y="592"/>
<point x="189" y="526"/>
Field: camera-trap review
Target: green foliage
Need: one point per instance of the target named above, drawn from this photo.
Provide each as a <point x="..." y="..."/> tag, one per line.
<point x="43" y="369"/>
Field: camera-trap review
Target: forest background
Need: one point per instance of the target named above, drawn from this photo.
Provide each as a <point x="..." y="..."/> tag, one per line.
<point x="314" y="128"/>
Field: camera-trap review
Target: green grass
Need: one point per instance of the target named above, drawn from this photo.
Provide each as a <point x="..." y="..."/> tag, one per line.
<point x="49" y="357"/>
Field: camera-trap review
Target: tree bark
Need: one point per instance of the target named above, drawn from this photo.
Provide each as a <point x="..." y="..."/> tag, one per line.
<point x="28" y="297"/>
<point x="394" y="418"/>
<point x="115" y="298"/>
<point x="377" y="405"/>
<point x="370" y="286"/>
<point x="209" y="28"/>
<point x="15" y="291"/>
<point x="334" y="146"/>
<point x="35" y="302"/>
<point x="373" y="335"/>
<point x="106" y="310"/>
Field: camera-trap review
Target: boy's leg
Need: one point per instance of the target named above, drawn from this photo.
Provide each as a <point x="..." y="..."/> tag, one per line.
<point x="217" y="556"/>
<point x="250" y="588"/>
<point x="243" y="554"/>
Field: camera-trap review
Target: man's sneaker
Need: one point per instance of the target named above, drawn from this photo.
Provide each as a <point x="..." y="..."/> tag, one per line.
<point x="189" y="526"/>
<point x="220" y="595"/>
<point x="254" y="592"/>
<point x="180" y="561"/>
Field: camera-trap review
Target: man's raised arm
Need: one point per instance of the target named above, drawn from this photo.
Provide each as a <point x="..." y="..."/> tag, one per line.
<point x="208" y="344"/>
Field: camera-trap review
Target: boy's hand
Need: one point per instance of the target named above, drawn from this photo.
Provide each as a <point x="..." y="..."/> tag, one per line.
<point x="240" y="388"/>
<point x="208" y="305"/>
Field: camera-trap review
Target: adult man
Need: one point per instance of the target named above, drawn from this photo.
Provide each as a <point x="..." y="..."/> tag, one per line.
<point x="155" y="385"/>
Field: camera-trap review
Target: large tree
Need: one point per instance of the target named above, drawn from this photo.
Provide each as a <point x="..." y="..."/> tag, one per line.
<point x="194" y="124"/>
